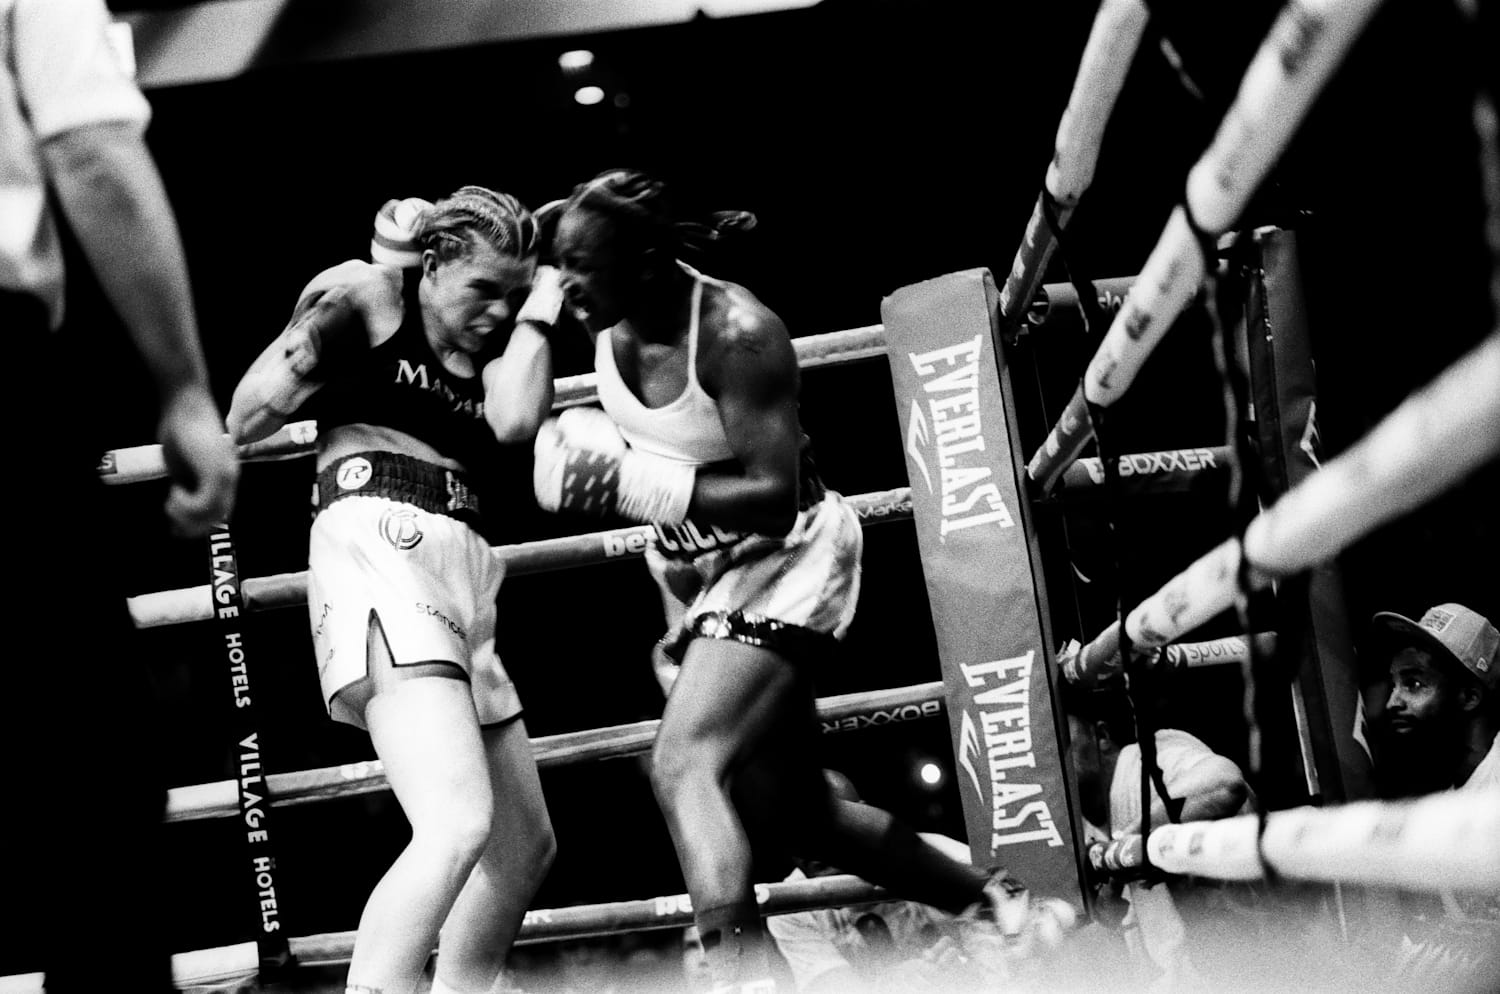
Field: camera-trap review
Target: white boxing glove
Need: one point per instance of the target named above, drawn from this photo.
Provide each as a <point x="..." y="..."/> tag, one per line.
<point x="393" y="242"/>
<point x="582" y="463"/>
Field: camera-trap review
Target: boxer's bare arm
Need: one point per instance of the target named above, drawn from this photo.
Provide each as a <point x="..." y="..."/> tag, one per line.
<point x="331" y="320"/>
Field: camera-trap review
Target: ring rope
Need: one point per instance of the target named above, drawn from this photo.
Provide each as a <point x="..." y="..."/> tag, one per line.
<point x="1299" y="54"/>
<point x="142" y="463"/>
<point x="1099" y="662"/>
<point x="220" y="799"/>
<point x="1443" y="841"/>
<point x="225" y="963"/>
<point x="1062" y="298"/>
<point x="1436" y="437"/>
<point x="190" y="604"/>
<point x="1112" y="43"/>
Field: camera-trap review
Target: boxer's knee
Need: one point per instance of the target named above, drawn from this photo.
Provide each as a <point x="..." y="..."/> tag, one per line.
<point x="457" y="840"/>
<point x="683" y="765"/>
<point x="539" y="847"/>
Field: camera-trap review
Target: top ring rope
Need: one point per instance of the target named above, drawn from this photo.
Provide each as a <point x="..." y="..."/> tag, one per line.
<point x="1438" y="436"/>
<point x="137" y="464"/>
<point x="1301" y="52"/>
<point x="140" y="463"/>
<point x="1113" y="40"/>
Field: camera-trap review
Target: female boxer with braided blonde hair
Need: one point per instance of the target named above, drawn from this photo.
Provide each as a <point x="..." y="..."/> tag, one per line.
<point x="758" y="563"/>
<point x="415" y="373"/>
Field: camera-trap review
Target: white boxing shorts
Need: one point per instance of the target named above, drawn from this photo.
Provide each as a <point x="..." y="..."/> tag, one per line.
<point x="793" y="594"/>
<point x="428" y="580"/>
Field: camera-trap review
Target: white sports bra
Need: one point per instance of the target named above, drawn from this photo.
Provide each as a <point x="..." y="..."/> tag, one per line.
<point x="689" y="428"/>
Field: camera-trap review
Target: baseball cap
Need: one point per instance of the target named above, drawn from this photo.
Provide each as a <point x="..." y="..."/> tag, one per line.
<point x="1453" y="630"/>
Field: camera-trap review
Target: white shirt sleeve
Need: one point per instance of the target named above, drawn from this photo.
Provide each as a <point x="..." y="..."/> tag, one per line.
<point x="68" y="72"/>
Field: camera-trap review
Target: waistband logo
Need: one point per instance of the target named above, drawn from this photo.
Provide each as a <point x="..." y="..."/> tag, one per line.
<point x="354" y="473"/>
<point x="398" y="526"/>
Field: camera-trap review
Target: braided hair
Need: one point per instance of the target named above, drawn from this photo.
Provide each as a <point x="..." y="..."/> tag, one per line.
<point x="641" y="206"/>
<point x="477" y="212"/>
<point x="405" y="228"/>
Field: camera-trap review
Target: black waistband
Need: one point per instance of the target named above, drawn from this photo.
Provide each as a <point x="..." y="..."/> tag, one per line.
<point x="435" y="489"/>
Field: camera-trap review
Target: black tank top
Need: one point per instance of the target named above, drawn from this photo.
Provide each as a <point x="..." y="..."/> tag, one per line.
<point x="401" y="384"/>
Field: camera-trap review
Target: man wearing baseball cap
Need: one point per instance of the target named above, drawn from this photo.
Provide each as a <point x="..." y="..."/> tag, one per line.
<point x="1445" y="690"/>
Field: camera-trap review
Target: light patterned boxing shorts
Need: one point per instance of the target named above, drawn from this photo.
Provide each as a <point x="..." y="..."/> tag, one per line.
<point x="428" y="580"/>
<point x="794" y="594"/>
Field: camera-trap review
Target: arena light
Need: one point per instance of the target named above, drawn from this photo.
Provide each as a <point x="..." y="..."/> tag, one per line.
<point x="930" y="773"/>
<point x="588" y="95"/>
<point x="575" y="60"/>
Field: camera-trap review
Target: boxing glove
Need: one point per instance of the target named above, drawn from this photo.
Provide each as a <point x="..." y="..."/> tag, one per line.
<point x="583" y="464"/>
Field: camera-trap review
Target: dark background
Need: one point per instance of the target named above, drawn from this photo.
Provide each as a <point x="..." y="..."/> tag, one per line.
<point x="880" y="143"/>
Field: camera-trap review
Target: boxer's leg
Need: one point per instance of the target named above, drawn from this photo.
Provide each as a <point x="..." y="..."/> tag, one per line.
<point x="726" y="697"/>
<point x="426" y="733"/>
<point x="484" y="921"/>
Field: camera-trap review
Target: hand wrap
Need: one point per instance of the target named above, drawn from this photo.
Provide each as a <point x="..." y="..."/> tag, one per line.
<point x="546" y="299"/>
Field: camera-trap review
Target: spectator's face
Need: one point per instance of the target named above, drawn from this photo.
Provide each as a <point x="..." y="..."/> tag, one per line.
<point x="1421" y="694"/>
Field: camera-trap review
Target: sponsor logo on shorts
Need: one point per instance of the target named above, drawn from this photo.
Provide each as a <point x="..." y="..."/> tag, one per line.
<point x="398" y="526"/>
<point x="322" y="619"/>
<point x="354" y="473"/>
<point x="448" y="622"/>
